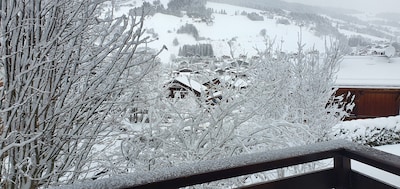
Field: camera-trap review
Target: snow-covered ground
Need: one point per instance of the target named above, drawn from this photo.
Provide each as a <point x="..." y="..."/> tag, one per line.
<point x="232" y="25"/>
<point x="349" y="33"/>
<point x="224" y="28"/>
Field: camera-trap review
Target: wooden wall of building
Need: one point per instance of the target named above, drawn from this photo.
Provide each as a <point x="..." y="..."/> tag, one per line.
<point x="370" y="103"/>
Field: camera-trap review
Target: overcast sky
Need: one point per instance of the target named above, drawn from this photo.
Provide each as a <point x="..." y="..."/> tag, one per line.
<point x="371" y="6"/>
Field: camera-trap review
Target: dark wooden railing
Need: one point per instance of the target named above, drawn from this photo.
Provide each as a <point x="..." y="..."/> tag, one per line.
<point x="340" y="176"/>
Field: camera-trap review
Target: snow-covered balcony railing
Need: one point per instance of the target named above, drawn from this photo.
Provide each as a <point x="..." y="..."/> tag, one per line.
<point x="340" y="175"/>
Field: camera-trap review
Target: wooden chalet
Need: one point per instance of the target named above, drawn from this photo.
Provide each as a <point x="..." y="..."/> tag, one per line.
<point x="182" y="85"/>
<point x="375" y="82"/>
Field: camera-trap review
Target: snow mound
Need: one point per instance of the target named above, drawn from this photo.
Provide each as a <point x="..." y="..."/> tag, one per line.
<point x="372" y="132"/>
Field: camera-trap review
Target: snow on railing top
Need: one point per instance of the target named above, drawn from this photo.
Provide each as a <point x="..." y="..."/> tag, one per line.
<point x="252" y="162"/>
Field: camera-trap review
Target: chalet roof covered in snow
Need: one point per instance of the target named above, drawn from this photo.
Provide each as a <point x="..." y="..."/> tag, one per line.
<point x="191" y="83"/>
<point x="369" y="72"/>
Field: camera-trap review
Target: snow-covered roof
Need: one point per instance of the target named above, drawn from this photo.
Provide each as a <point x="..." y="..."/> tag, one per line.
<point x="191" y="83"/>
<point x="369" y="72"/>
<point x="236" y="82"/>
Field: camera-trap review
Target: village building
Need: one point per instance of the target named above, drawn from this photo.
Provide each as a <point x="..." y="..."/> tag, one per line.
<point x="180" y="86"/>
<point x="375" y="82"/>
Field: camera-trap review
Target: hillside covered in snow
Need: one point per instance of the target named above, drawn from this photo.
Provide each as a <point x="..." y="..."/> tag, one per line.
<point x="235" y="30"/>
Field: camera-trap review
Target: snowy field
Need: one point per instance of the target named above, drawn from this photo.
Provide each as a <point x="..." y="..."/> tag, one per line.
<point x="225" y="27"/>
<point x="245" y="32"/>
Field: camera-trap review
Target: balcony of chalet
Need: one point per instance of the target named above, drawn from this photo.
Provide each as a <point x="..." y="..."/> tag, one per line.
<point x="340" y="175"/>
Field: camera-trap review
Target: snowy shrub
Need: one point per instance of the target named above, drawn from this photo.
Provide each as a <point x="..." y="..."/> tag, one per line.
<point x="263" y="32"/>
<point x="371" y="132"/>
<point x="303" y="107"/>
<point x="62" y="91"/>
<point x="276" y="110"/>
<point x="189" y="129"/>
<point x="255" y="17"/>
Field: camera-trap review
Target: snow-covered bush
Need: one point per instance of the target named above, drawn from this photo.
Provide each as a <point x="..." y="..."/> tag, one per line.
<point x="189" y="129"/>
<point x="255" y="17"/>
<point x="285" y="103"/>
<point x="300" y="105"/>
<point x="65" y="64"/>
<point x="371" y="132"/>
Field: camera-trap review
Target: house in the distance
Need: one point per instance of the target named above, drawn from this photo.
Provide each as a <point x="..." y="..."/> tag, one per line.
<point x="181" y="86"/>
<point x="375" y="82"/>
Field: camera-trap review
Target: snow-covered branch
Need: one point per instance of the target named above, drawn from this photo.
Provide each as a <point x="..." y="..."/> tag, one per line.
<point x="65" y="64"/>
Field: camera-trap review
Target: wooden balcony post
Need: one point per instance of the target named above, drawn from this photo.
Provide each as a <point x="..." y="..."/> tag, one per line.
<point x="342" y="169"/>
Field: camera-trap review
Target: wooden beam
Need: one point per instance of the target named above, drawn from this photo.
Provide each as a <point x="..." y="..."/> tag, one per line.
<point x="315" y="180"/>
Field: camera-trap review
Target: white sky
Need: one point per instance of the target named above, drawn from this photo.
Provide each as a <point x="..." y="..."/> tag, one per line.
<point x="369" y="6"/>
